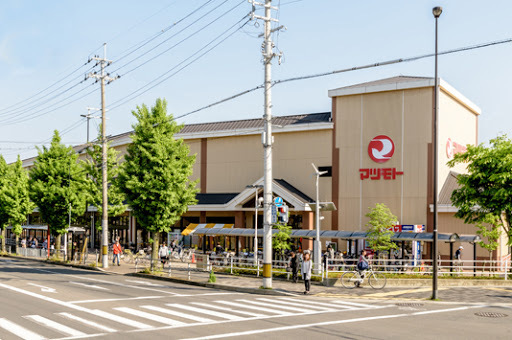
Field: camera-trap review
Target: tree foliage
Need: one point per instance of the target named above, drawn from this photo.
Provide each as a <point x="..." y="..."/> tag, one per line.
<point x="58" y="181"/>
<point x="281" y="240"/>
<point x="490" y="229"/>
<point x="155" y="174"/>
<point x="93" y="167"/>
<point x="379" y="228"/>
<point x="4" y="216"/>
<point x="487" y="187"/>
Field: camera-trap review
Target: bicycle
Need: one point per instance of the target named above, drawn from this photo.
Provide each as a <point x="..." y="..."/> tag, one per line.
<point x="353" y="279"/>
<point x="184" y="255"/>
<point x="129" y="257"/>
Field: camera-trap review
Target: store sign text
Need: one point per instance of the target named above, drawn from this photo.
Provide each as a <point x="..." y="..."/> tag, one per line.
<point x="379" y="173"/>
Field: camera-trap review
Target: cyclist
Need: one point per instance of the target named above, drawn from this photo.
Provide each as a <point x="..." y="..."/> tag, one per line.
<point x="362" y="265"/>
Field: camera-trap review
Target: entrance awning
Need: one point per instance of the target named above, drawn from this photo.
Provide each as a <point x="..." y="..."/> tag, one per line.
<point x="191" y="228"/>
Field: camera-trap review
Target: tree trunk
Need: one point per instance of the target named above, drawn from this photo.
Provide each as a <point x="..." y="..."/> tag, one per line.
<point x="3" y="241"/>
<point x="154" y="252"/>
<point x="506" y="224"/>
<point x="57" y="246"/>
<point x="17" y="240"/>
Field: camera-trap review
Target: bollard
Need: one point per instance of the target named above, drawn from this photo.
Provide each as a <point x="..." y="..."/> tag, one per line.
<point x="506" y="270"/>
<point x="96" y="257"/>
<point x="170" y="270"/>
<point x="231" y="265"/>
<point x="189" y="271"/>
<point x="258" y="268"/>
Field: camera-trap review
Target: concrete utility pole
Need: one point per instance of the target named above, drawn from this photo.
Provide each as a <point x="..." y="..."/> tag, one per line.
<point x="317" y="259"/>
<point x="89" y="116"/>
<point x="103" y="62"/>
<point x="267" y="138"/>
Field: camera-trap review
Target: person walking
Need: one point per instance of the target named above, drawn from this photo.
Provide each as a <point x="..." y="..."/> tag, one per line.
<point x="306" y="271"/>
<point x="163" y="252"/>
<point x="117" y="249"/>
<point x="294" y="264"/>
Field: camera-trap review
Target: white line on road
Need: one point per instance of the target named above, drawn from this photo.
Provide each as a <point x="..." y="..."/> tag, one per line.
<point x="18" y="330"/>
<point x="88" y="285"/>
<point x="226" y="309"/>
<point x="308" y="303"/>
<point x="298" y="303"/>
<point x="276" y="307"/>
<point x="149" y="316"/>
<point x="54" y="325"/>
<point x="241" y="305"/>
<point x="205" y="311"/>
<point x="175" y="313"/>
<point x="118" y="299"/>
<point x="343" y="302"/>
<point x="120" y="319"/>
<point x="88" y="322"/>
<point x="326" y="323"/>
<point x="43" y="288"/>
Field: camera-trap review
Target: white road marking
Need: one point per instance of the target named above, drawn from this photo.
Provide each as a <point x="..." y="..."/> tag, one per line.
<point x="307" y="303"/>
<point x="241" y="305"/>
<point x="120" y="319"/>
<point x="88" y="285"/>
<point x="148" y="283"/>
<point x="175" y="313"/>
<point x="54" y="325"/>
<point x="205" y="311"/>
<point x="297" y="304"/>
<point x="43" y="288"/>
<point x="343" y="302"/>
<point x="88" y="322"/>
<point x="273" y="306"/>
<point x="326" y="323"/>
<point x="18" y="330"/>
<point x="119" y="299"/>
<point x="150" y="316"/>
<point x="226" y="309"/>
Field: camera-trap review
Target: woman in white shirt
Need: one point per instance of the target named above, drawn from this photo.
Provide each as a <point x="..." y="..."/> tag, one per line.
<point x="306" y="271"/>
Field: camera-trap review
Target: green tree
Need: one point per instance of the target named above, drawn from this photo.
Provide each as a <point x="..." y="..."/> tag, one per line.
<point x="4" y="217"/>
<point x="281" y="240"/>
<point x="16" y="197"/>
<point x="93" y="167"/>
<point x="487" y="186"/>
<point x="155" y="176"/>
<point x="379" y="228"/>
<point x="490" y="229"/>
<point x="58" y="183"/>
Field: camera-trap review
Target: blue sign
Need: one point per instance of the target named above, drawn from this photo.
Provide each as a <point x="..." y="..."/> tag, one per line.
<point x="407" y="228"/>
<point x="278" y="201"/>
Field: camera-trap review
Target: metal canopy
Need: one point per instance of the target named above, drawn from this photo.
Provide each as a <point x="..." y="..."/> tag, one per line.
<point x="324" y="206"/>
<point x="339" y="234"/>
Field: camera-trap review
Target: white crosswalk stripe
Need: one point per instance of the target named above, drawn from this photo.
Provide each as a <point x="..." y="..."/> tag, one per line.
<point x="205" y="311"/>
<point x="88" y="322"/>
<point x="277" y="307"/>
<point x="19" y="331"/>
<point x="150" y="316"/>
<point x="308" y="303"/>
<point x="54" y="325"/>
<point x="175" y="313"/>
<point x="296" y="304"/>
<point x="120" y="319"/>
<point x="360" y="305"/>
<point x="226" y="309"/>
<point x="261" y="309"/>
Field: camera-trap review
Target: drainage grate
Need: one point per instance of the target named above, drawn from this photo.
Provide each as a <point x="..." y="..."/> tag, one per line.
<point x="409" y="304"/>
<point x="491" y="315"/>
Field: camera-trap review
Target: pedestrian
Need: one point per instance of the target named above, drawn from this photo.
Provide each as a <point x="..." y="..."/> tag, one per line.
<point x="117" y="249"/>
<point x="294" y="265"/>
<point x="23" y="243"/>
<point x="458" y="253"/>
<point x="163" y="252"/>
<point x="306" y="271"/>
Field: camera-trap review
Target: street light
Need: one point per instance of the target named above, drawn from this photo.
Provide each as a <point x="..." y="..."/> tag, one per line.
<point x="256" y="205"/>
<point x="318" y="244"/>
<point x="437" y="13"/>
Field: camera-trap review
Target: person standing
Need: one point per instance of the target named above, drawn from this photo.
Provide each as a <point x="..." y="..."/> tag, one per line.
<point x="306" y="271"/>
<point x="117" y="249"/>
<point x="294" y="264"/>
<point x="163" y="252"/>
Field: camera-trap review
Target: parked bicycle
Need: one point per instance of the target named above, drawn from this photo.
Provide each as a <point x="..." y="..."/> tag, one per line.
<point x="355" y="278"/>
<point x="183" y="254"/>
<point x="129" y="257"/>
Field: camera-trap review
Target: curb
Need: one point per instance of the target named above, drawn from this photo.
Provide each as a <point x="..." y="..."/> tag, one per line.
<point x="96" y="269"/>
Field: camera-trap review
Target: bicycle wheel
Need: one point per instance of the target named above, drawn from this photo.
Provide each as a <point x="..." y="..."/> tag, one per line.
<point x="377" y="280"/>
<point x="350" y="279"/>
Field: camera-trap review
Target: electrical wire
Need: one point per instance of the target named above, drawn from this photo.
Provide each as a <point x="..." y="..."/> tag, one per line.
<point x="130" y="96"/>
<point x="356" y="68"/>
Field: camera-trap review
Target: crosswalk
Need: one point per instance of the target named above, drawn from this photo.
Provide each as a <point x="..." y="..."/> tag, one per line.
<point x="88" y="323"/>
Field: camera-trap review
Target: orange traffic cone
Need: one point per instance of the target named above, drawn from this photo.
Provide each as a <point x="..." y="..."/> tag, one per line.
<point x="193" y="258"/>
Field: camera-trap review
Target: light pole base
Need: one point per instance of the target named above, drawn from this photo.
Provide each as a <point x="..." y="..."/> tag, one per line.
<point x="267" y="282"/>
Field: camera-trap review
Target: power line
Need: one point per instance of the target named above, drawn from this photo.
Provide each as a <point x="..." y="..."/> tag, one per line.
<point x="356" y="68"/>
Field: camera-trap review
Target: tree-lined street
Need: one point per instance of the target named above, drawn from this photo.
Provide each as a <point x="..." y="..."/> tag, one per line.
<point x="47" y="301"/>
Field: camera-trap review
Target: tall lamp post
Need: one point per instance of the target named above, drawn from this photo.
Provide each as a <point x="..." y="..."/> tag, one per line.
<point x="437" y="13"/>
<point x="256" y="205"/>
<point x="318" y="244"/>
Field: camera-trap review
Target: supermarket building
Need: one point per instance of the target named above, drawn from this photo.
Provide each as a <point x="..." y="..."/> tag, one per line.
<point x="376" y="146"/>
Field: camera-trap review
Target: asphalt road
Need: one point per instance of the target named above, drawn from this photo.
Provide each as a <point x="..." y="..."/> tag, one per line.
<point x="41" y="301"/>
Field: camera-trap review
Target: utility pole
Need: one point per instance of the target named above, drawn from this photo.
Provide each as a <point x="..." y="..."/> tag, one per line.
<point x="89" y="116"/>
<point x="267" y="138"/>
<point x="103" y="62"/>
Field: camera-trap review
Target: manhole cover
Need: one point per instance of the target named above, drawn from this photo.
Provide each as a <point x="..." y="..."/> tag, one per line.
<point x="491" y="315"/>
<point x="409" y="304"/>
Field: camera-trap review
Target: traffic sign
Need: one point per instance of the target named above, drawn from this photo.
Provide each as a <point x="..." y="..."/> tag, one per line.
<point x="278" y="201"/>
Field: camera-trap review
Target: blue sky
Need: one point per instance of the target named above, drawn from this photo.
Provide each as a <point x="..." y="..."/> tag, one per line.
<point x="44" y="41"/>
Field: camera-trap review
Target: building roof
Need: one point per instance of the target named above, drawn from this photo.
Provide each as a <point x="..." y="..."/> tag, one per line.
<point x="449" y="186"/>
<point x="296" y="192"/>
<point x="215" y="198"/>
<point x="403" y="83"/>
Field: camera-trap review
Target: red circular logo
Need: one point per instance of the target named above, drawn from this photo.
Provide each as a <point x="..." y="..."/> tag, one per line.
<point x="381" y="149"/>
